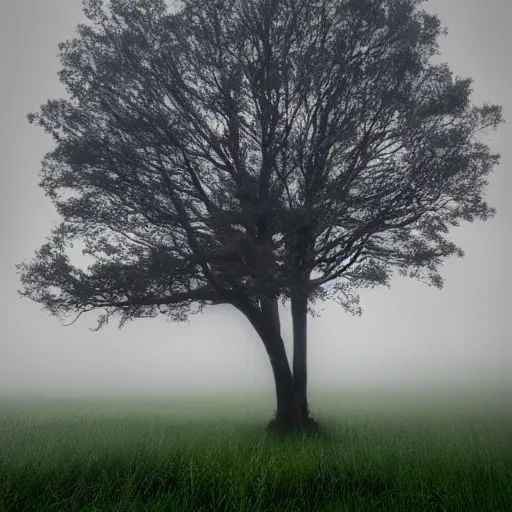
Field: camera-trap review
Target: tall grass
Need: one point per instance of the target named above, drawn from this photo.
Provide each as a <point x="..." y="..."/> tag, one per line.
<point x="179" y="456"/>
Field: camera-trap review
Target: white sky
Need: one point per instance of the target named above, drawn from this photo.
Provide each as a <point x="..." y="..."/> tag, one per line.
<point x="408" y="334"/>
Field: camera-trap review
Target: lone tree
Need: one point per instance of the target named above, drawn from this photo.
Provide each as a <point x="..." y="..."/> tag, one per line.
<point x="247" y="152"/>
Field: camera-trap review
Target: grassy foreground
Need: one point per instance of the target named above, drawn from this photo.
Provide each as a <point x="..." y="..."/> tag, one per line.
<point x="415" y="453"/>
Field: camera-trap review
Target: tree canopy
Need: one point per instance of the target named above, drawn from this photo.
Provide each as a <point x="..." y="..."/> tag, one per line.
<point x="249" y="151"/>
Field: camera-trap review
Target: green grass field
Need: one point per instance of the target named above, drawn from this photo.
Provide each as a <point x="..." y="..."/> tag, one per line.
<point x="383" y="452"/>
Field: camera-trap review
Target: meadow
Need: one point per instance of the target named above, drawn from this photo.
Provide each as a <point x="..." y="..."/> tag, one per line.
<point x="380" y="452"/>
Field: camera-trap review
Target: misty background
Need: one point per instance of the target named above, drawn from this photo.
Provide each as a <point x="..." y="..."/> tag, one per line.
<point x="409" y="335"/>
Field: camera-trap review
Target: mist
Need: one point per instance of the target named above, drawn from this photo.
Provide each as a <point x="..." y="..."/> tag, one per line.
<point x="409" y="336"/>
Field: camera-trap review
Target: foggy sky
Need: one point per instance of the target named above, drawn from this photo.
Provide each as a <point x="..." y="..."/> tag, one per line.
<point x="408" y="334"/>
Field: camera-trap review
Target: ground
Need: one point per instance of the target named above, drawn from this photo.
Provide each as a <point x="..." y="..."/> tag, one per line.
<point x="384" y="452"/>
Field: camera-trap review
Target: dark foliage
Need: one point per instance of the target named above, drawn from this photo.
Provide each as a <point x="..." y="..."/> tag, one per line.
<point x="249" y="151"/>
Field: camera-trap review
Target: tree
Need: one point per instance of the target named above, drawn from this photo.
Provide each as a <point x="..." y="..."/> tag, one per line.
<point x="247" y="152"/>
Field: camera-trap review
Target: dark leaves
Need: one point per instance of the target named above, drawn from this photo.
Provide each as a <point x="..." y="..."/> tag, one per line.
<point x="238" y="149"/>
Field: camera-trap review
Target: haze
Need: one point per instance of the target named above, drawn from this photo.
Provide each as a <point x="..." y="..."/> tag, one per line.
<point x="409" y="335"/>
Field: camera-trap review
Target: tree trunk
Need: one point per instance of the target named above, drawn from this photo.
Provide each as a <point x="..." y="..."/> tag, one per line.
<point x="288" y="416"/>
<point x="300" y="370"/>
<point x="290" y="413"/>
<point x="266" y="322"/>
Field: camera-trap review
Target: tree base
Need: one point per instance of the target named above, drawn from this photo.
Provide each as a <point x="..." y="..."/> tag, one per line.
<point x="284" y="427"/>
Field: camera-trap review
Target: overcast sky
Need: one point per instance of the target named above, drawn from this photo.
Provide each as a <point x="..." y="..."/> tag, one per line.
<point x="408" y="334"/>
